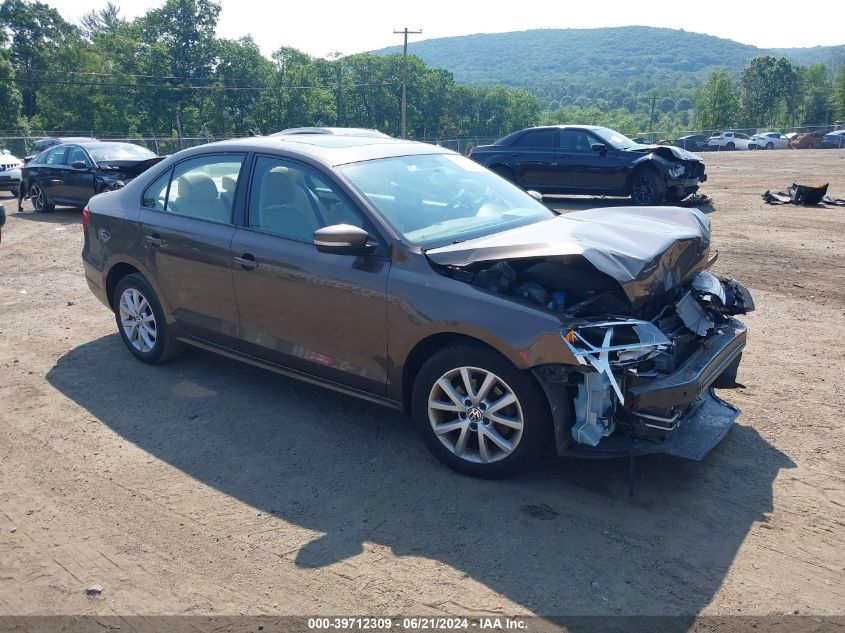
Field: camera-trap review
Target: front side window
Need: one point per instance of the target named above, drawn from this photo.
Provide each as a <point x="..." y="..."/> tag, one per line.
<point x="56" y="156"/>
<point x="436" y="199"/>
<point x="201" y="188"/>
<point x="75" y="154"/>
<point x="291" y="200"/>
<point x="576" y="141"/>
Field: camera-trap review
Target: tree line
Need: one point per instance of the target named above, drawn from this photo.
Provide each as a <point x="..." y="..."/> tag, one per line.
<point x="772" y="92"/>
<point x="167" y="72"/>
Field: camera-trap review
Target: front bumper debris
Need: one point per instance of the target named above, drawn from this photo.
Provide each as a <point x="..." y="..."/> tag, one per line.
<point x="701" y="427"/>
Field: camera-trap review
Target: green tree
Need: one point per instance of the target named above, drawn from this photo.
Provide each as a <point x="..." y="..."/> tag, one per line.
<point x="36" y="31"/>
<point x="716" y="103"/>
<point x="768" y="90"/>
<point x="837" y="99"/>
<point x="816" y="92"/>
<point x="10" y="96"/>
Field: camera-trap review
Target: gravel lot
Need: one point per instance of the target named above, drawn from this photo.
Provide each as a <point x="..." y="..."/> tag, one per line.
<point x="210" y="487"/>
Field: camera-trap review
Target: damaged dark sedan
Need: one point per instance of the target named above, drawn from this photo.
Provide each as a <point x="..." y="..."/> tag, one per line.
<point x="585" y="159"/>
<point x="412" y="277"/>
<point x="71" y="173"/>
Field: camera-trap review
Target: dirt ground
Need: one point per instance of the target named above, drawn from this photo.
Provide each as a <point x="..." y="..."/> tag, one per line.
<point x="205" y="486"/>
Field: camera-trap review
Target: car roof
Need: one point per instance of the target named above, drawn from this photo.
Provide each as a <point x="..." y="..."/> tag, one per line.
<point x="336" y="131"/>
<point x="324" y="148"/>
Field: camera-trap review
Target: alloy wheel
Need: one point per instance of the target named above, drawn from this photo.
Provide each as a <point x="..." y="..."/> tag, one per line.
<point x="643" y="191"/>
<point x="38" y="200"/>
<point x="137" y="320"/>
<point x="475" y="415"/>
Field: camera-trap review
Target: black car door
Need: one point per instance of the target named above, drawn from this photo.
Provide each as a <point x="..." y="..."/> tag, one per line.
<point x="584" y="170"/>
<point x="78" y="182"/>
<point x="533" y="157"/>
<point x="50" y="175"/>
<point x="317" y="313"/>
<point x="187" y="230"/>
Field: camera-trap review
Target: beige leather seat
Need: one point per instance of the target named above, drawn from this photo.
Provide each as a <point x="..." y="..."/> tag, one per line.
<point x="283" y="207"/>
<point x="196" y="196"/>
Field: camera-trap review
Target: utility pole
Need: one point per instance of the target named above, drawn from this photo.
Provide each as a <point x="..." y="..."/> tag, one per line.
<point x="405" y="32"/>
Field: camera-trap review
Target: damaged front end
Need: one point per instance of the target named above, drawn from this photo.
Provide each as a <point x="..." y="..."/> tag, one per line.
<point x="649" y="382"/>
<point x="649" y="329"/>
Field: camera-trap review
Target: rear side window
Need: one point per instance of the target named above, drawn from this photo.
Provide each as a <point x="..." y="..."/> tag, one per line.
<point x="537" y="138"/>
<point x="201" y="188"/>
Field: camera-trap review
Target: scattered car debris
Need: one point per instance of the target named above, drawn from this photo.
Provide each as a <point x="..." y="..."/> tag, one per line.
<point x="94" y="590"/>
<point x="803" y="195"/>
<point x="696" y="200"/>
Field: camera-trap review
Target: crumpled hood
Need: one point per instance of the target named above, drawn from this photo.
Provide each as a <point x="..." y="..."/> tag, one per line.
<point x="648" y="250"/>
<point x="667" y="151"/>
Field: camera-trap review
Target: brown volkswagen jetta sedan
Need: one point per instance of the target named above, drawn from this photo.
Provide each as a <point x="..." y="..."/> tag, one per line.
<point x="408" y="275"/>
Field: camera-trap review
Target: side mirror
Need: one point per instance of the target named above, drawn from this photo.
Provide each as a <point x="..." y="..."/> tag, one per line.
<point x="343" y="239"/>
<point x="601" y="148"/>
<point x="79" y="164"/>
<point x="535" y="194"/>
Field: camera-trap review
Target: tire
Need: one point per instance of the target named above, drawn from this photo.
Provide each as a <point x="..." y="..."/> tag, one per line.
<point x="509" y="447"/>
<point x="730" y="145"/>
<point x="40" y="202"/>
<point x="505" y="172"/>
<point x="136" y="308"/>
<point x="770" y="146"/>
<point x="647" y="188"/>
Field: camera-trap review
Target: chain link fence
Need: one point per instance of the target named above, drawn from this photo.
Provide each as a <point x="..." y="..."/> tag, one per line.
<point x="21" y="145"/>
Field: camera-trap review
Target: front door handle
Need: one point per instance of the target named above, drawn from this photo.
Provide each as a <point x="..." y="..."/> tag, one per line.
<point x="247" y="261"/>
<point x="154" y="240"/>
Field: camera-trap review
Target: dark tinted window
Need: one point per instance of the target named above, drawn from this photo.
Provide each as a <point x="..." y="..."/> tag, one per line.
<point x="291" y="200"/>
<point x="576" y="140"/>
<point x="56" y="156"/>
<point x="76" y="153"/>
<point x="537" y="138"/>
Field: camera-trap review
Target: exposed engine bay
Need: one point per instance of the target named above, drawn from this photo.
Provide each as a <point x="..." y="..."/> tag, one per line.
<point x="650" y="331"/>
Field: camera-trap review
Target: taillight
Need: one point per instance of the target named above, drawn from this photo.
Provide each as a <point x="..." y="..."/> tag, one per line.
<point x="85" y="214"/>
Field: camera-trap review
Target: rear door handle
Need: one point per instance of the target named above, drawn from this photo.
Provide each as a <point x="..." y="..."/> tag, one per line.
<point x="154" y="240"/>
<point x="247" y="261"/>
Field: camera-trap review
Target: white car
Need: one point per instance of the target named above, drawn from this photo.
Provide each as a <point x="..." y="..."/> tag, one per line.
<point x="769" y="140"/>
<point x="728" y="140"/>
<point x="10" y="172"/>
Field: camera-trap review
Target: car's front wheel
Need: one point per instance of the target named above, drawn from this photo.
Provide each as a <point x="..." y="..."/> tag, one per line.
<point x="39" y="199"/>
<point x="141" y="322"/>
<point x="647" y="188"/>
<point x="478" y="413"/>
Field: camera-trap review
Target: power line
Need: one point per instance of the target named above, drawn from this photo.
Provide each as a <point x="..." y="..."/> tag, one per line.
<point x="188" y="87"/>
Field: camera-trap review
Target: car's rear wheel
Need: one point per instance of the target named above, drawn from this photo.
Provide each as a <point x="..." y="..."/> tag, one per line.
<point x="730" y="145"/>
<point x="770" y="145"/>
<point x="478" y="413"/>
<point x="39" y="199"/>
<point x="141" y="322"/>
<point x="647" y="188"/>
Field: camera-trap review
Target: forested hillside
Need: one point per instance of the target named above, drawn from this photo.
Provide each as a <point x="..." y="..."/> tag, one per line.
<point x="562" y="65"/>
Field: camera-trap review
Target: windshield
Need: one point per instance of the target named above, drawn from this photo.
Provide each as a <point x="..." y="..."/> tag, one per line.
<point x="439" y="199"/>
<point x="119" y="151"/>
<point x="615" y="139"/>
